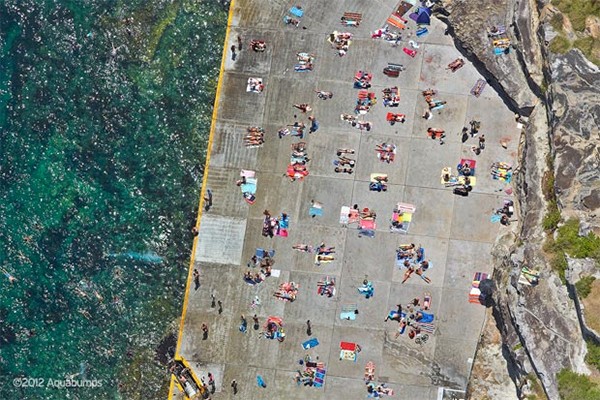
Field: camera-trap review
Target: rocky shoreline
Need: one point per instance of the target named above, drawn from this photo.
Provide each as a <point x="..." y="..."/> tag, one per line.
<point x="539" y="326"/>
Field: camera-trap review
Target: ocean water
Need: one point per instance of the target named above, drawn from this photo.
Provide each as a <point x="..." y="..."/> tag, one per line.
<point x="105" y="110"/>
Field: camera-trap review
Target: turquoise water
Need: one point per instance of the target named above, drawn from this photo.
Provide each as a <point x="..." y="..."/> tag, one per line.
<point x="105" y="110"/>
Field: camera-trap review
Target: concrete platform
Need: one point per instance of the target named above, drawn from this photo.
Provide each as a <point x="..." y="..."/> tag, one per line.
<point x="456" y="232"/>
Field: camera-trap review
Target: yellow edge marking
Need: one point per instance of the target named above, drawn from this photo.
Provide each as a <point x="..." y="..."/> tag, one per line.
<point x="203" y="190"/>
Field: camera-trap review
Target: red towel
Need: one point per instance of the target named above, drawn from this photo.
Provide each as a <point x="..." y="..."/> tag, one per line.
<point x="348" y="346"/>
<point x="410" y="52"/>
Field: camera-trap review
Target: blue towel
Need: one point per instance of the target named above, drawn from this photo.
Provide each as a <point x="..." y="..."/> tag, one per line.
<point x="316" y="211"/>
<point x="421" y="31"/>
<point x="310" y="343"/>
<point x="248" y="188"/>
<point x="300" y="68"/>
<point x="297" y="12"/>
<point x="426" y="317"/>
<point x="422" y="254"/>
<point x="366" y="232"/>
<point x="392" y="314"/>
<point x="259" y="253"/>
<point x="349" y="315"/>
<point x="284" y="223"/>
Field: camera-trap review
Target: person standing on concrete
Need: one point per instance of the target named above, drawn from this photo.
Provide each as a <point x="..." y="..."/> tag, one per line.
<point x="204" y="329"/>
<point x="220" y="310"/>
<point x="256" y="324"/>
<point x="308" y="328"/>
<point x="196" y="276"/>
<point x="239" y="39"/>
<point x="244" y="324"/>
<point x="211" y="383"/>
<point x="314" y="125"/>
<point x="233" y="54"/>
<point x="208" y="200"/>
<point x="234" y="386"/>
<point x="482" y="142"/>
<point x="475" y="126"/>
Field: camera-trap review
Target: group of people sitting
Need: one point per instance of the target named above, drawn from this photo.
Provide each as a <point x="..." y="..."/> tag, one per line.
<point x="255" y="85"/>
<point x="386" y="152"/>
<point x="412" y="317"/>
<point x="324" y="254"/>
<point x="340" y="41"/>
<point x="287" y="291"/>
<point x="412" y="258"/>
<point x="326" y="287"/>
<point x="298" y="160"/>
<point x="391" y="97"/>
<point x="362" y="80"/>
<point x="505" y="212"/>
<point x="273" y="226"/>
<point x="295" y="129"/>
<point x="432" y="103"/>
<point x="258" y="45"/>
<point x="392" y="118"/>
<point x="387" y="35"/>
<point x="305" y="62"/>
<point x="365" y="101"/>
<point x="324" y="95"/>
<point x="255" y="136"/>
<point x="258" y="277"/>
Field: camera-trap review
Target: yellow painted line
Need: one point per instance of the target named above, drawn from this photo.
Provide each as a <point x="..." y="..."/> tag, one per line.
<point x="203" y="191"/>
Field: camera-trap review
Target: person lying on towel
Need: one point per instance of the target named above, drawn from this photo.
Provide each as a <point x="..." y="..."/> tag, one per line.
<point x="303" y="67"/>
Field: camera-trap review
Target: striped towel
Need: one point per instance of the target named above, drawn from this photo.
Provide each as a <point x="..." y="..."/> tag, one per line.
<point x="427" y="327"/>
<point x="319" y="377"/>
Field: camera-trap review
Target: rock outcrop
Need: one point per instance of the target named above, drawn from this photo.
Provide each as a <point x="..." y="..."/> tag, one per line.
<point x="470" y="22"/>
<point x="576" y="136"/>
<point x="540" y="330"/>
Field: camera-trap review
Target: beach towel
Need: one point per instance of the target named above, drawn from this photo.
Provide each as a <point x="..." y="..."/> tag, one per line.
<point x="495" y="218"/>
<point x="249" y="186"/>
<point x="478" y="87"/>
<point x="348" y="351"/>
<point x="315" y="210"/>
<point x="284" y="222"/>
<point x="422" y="31"/>
<point x="470" y="163"/>
<point x="426" y="317"/>
<point x="348" y="312"/>
<point x="282" y="232"/>
<point x="396" y="21"/>
<point x="368" y="224"/>
<point x="348" y="215"/>
<point x="393" y="314"/>
<point x="260" y="253"/>
<point x="247" y="173"/>
<point x="410" y="52"/>
<point x="297" y="12"/>
<point x="427" y="327"/>
<point x="366" y="232"/>
<point x="319" y="377"/>
<point x="310" y="343"/>
<point x="302" y="68"/>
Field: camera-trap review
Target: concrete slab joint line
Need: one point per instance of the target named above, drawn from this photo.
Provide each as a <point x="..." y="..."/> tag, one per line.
<point x="456" y="232"/>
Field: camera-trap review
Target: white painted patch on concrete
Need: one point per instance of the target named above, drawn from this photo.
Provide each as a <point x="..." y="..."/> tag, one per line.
<point x="221" y="240"/>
